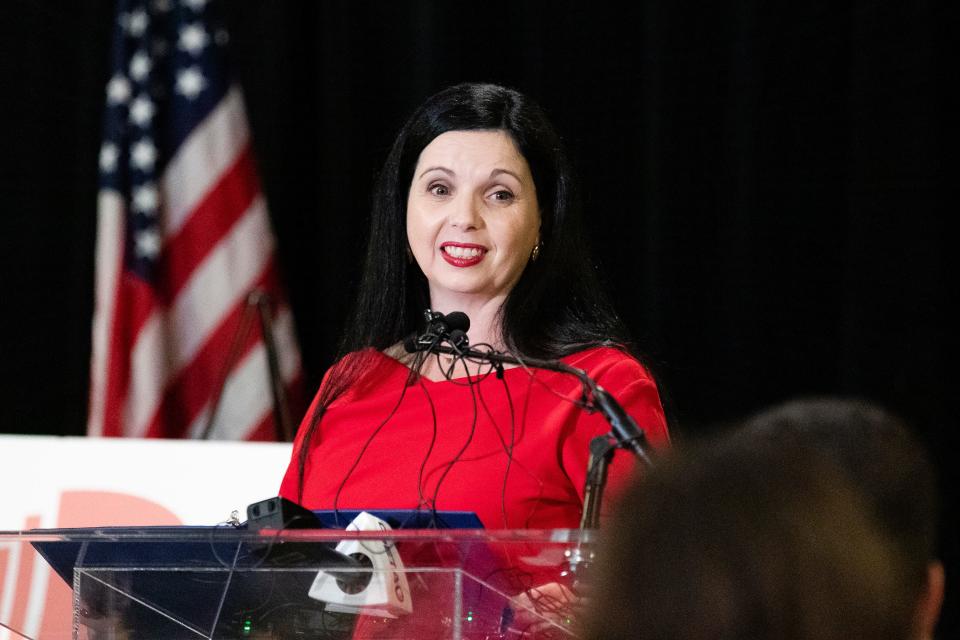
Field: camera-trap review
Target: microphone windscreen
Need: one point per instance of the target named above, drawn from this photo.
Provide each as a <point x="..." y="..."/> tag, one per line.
<point x="457" y="320"/>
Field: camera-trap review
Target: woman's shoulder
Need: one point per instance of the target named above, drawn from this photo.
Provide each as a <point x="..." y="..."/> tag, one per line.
<point x="608" y="354"/>
<point x="361" y="358"/>
<point x="352" y="369"/>
<point x="608" y="361"/>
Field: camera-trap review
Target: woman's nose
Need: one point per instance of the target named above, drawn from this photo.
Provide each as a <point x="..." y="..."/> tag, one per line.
<point x="465" y="213"/>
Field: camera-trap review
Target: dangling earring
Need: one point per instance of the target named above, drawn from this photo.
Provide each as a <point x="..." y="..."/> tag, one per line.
<point x="536" y="251"/>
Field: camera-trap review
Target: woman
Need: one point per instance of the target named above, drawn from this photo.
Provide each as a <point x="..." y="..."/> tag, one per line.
<point x="475" y="212"/>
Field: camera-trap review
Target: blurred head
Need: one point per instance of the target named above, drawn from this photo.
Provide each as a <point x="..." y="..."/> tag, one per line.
<point x="885" y="463"/>
<point x="746" y="543"/>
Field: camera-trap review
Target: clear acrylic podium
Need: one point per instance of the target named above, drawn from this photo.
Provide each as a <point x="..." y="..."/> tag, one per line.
<point x="222" y="582"/>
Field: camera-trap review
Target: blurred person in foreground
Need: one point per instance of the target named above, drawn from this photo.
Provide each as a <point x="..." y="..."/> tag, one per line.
<point x="887" y="464"/>
<point x="733" y="540"/>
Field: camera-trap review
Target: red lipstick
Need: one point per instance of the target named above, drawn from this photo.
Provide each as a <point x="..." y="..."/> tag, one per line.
<point x="471" y="258"/>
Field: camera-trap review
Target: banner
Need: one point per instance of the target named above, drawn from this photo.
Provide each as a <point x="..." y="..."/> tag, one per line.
<point x="53" y="482"/>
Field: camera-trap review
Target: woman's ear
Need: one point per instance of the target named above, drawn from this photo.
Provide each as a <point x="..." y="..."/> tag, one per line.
<point x="931" y="599"/>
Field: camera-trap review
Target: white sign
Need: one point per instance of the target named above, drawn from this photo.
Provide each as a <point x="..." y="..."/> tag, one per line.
<point x="53" y="482"/>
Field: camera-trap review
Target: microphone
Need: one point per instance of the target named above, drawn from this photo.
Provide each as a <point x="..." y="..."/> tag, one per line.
<point x="623" y="427"/>
<point x="451" y="327"/>
<point x="444" y="324"/>
<point x="459" y="339"/>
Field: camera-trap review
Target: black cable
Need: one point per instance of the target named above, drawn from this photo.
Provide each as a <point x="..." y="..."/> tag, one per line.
<point x="584" y="401"/>
<point x="463" y="449"/>
<point x="411" y="377"/>
<point x="464" y="358"/>
<point x="508" y="449"/>
<point x="421" y="498"/>
<point x="513" y="442"/>
<point x="472" y="382"/>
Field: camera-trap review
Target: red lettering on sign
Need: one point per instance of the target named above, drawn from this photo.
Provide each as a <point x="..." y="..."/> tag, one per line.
<point x="93" y="509"/>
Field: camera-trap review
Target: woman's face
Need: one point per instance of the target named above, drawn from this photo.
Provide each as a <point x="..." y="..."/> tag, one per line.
<point x="472" y="215"/>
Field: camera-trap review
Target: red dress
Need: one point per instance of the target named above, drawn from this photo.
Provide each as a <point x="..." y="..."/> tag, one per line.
<point x="519" y="469"/>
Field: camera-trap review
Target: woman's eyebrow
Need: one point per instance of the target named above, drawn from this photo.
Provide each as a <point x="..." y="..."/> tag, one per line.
<point x="496" y="172"/>
<point x="437" y="168"/>
<point x="452" y="173"/>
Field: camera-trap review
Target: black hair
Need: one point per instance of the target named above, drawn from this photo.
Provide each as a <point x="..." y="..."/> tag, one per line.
<point x="555" y="309"/>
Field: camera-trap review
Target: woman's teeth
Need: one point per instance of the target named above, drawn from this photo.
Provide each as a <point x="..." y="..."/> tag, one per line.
<point x="463" y="252"/>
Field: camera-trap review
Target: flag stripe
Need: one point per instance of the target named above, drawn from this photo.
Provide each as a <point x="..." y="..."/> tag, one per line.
<point x="135" y="301"/>
<point x="198" y="164"/>
<point x="183" y="400"/>
<point x="238" y="404"/>
<point x="215" y="287"/>
<point x="109" y="252"/>
<point x="211" y="221"/>
<point x="263" y="430"/>
<point x="215" y="215"/>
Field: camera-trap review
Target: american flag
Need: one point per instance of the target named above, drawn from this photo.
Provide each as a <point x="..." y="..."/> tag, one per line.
<point x="183" y="239"/>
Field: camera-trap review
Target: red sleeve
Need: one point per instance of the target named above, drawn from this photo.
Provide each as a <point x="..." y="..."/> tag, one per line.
<point x="634" y="389"/>
<point x="291" y="479"/>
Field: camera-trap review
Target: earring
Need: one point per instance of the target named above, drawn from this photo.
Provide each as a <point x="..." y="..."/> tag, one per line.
<point x="536" y="252"/>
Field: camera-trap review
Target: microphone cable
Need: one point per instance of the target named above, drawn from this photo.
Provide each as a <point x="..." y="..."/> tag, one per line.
<point x="508" y="449"/>
<point x="421" y="498"/>
<point x="463" y="449"/>
<point x="414" y="372"/>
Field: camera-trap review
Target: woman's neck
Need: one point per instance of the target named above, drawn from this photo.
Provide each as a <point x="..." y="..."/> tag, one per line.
<point x="485" y="328"/>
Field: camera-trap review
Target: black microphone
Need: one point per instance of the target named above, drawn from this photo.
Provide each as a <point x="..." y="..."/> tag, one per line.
<point x="454" y="320"/>
<point x="459" y="340"/>
<point x="622" y="425"/>
<point x="452" y="327"/>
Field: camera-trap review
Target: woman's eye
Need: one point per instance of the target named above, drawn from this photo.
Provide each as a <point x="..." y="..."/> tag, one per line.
<point x="439" y="189"/>
<point x="502" y="195"/>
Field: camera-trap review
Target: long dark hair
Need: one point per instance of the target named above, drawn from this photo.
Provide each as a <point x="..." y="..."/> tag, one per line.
<point x="556" y="307"/>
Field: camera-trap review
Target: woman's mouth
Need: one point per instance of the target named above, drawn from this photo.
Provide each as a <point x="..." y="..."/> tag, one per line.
<point x="461" y="254"/>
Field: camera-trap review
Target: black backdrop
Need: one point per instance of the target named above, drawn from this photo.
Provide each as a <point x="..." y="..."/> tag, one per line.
<point x="766" y="186"/>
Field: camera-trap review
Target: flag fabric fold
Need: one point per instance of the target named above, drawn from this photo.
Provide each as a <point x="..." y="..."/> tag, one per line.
<point x="183" y="239"/>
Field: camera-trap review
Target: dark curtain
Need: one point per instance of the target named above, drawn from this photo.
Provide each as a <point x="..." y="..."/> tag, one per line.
<point x="766" y="186"/>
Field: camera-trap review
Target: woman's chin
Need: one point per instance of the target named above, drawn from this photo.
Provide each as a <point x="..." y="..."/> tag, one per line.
<point x="468" y="291"/>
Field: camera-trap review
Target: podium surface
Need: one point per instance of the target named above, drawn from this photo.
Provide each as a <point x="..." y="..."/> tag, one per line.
<point x="226" y="582"/>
